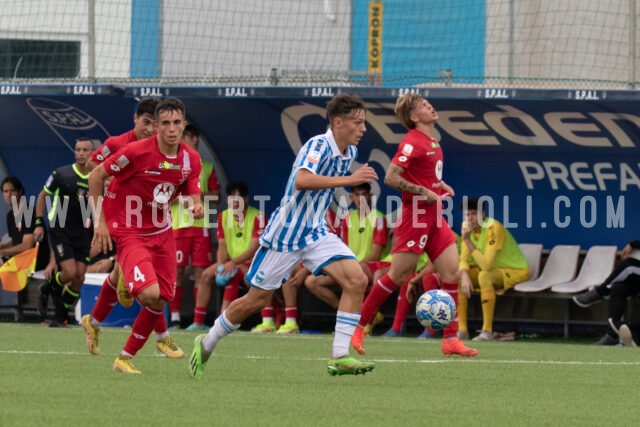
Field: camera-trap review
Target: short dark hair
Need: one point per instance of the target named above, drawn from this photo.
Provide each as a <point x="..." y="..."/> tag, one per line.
<point x="170" y="104"/>
<point x="17" y="184"/>
<point x="364" y="186"/>
<point x="240" y="186"/>
<point x="191" y="130"/>
<point x="147" y="106"/>
<point x="472" y="204"/>
<point x="344" y="105"/>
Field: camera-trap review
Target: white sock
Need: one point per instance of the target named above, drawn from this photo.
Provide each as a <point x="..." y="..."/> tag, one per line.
<point x="94" y="322"/>
<point x="220" y="329"/>
<point x="162" y="335"/>
<point x="267" y="320"/>
<point x="345" y="325"/>
<point x="291" y="320"/>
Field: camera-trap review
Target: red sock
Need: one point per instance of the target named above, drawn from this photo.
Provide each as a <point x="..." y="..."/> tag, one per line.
<point x="291" y="312"/>
<point x="378" y="295"/>
<point x="142" y="327"/>
<point x="231" y="289"/>
<point x="451" y="331"/>
<point x="402" y="308"/>
<point x="174" y="305"/>
<point x="199" y="313"/>
<point x="267" y="312"/>
<point x="161" y="326"/>
<point x="106" y="301"/>
<point x="430" y="282"/>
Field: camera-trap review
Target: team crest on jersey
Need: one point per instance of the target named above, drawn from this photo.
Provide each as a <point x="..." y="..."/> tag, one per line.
<point x="407" y="149"/>
<point x="434" y="144"/>
<point x="163" y="192"/>
<point x="185" y="174"/>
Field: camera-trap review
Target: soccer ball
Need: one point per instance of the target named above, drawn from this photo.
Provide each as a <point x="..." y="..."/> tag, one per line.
<point x="435" y="309"/>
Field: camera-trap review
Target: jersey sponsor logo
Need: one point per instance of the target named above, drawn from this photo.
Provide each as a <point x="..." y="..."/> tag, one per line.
<point x="407" y="149"/>
<point x="410" y="243"/>
<point x="148" y="172"/>
<point x="163" y="192"/>
<point x="431" y="153"/>
<point x="169" y="166"/>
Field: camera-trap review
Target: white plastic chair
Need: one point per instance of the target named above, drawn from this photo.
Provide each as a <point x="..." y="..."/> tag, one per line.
<point x="561" y="267"/>
<point x="533" y="253"/>
<point x="597" y="265"/>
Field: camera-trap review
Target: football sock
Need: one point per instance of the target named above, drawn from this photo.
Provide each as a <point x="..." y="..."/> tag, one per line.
<point x="379" y="294"/>
<point x="69" y="297"/>
<point x="451" y="331"/>
<point x="199" y="313"/>
<point x="291" y="313"/>
<point x="174" y="305"/>
<point x="267" y="313"/>
<point x="107" y="299"/>
<point x="488" y="299"/>
<point x="161" y="324"/>
<point x="345" y="325"/>
<point x="402" y="309"/>
<point x="142" y="327"/>
<point x="221" y="328"/>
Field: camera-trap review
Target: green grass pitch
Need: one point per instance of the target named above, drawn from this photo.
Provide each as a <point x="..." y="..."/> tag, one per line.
<point x="49" y="378"/>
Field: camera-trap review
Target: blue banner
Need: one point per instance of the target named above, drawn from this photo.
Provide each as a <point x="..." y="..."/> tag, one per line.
<point x="562" y="171"/>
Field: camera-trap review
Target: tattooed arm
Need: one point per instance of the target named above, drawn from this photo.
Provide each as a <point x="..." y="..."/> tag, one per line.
<point x="394" y="180"/>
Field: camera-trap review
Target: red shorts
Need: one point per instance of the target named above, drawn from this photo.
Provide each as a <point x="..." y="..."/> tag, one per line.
<point x="194" y="242"/>
<point x="377" y="265"/>
<point x="420" y="232"/>
<point x="146" y="260"/>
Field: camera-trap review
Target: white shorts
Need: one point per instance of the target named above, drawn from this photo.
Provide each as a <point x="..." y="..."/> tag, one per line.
<point x="270" y="269"/>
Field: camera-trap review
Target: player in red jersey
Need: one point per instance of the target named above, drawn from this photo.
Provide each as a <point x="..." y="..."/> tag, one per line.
<point x="144" y="127"/>
<point x="416" y="170"/>
<point x="148" y="175"/>
<point x="113" y="288"/>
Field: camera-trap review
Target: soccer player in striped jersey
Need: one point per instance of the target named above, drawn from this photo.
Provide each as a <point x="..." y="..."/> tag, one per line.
<point x="297" y="232"/>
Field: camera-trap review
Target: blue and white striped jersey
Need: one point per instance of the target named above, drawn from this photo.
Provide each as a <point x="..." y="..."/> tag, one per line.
<point x="299" y="220"/>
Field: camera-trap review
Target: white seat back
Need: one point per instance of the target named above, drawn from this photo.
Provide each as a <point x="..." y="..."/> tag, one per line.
<point x="597" y="265"/>
<point x="561" y="267"/>
<point x="533" y="253"/>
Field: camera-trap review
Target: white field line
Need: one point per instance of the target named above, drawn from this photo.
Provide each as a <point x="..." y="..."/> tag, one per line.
<point x="312" y="359"/>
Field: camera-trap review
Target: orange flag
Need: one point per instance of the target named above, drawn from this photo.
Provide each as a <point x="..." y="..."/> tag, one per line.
<point x="15" y="272"/>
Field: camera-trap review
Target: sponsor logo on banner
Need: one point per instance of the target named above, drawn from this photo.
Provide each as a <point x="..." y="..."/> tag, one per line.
<point x="68" y="122"/>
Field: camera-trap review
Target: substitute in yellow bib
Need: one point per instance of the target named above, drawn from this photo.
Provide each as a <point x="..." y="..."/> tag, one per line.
<point x="491" y="262"/>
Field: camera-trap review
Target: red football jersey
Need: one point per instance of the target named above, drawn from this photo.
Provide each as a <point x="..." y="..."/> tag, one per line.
<point x="112" y="145"/>
<point x="421" y="157"/>
<point x="145" y="182"/>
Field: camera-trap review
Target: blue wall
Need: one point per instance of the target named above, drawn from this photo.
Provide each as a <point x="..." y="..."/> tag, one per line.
<point x="416" y="47"/>
<point x="557" y="161"/>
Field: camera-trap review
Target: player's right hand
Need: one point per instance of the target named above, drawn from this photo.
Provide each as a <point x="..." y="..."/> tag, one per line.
<point x="365" y="174"/>
<point x="101" y="238"/>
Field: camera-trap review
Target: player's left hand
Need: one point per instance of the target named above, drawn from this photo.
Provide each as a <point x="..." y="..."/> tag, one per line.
<point x="448" y="190"/>
<point x="197" y="210"/>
